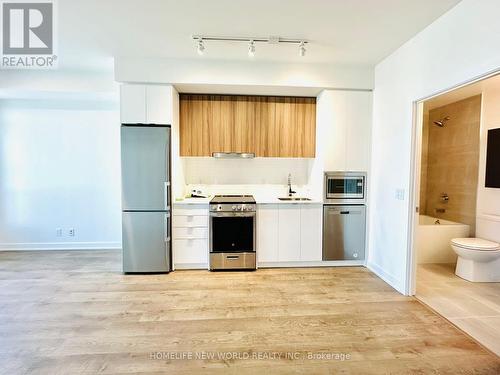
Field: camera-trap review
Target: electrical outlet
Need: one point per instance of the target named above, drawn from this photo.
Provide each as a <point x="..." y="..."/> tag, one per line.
<point x="71" y="232"/>
<point x="58" y="232"/>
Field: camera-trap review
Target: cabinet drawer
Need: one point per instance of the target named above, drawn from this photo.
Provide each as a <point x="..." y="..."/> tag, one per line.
<point x="190" y="251"/>
<point x="192" y="211"/>
<point x="189" y="233"/>
<point x="190" y="221"/>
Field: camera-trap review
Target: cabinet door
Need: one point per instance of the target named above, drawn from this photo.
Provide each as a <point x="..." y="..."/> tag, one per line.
<point x="358" y="132"/>
<point x="190" y="251"/>
<point x="311" y="223"/>
<point x="286" y="119"/>
<point x="221" y="123"/>
<point x="289" y="233"/>
<point x="194" y="125"/>
<point x="244" y="124"/>
<point x="267" y="131"/>
<point x="296" y="118"/>
<point x="133" y="104"/>
<point x="267" y="233"/>
<point x="332" y="119"/>
<point x="159" y="105"/>
<point x="305" y="137"/>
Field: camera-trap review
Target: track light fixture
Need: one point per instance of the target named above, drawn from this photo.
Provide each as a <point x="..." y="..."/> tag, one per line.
<point x="201" y="47"/>
<point x="302" y="49"/>
<point x="251" y="42"/>
<point x="251" y="49"/>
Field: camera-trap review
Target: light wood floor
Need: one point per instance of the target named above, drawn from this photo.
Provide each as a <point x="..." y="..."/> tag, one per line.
<point x="474" y="307"/>
<point x="74" y="312"/>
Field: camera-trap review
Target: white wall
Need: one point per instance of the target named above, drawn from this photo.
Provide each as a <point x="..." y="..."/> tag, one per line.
<point x="456" y="48"/>
<point x="488" y="199"/>
<point x="59" y="168"/>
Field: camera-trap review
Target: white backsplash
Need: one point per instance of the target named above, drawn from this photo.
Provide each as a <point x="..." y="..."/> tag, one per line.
<point x="258" y="171"/>
<point x="264" y="178"/>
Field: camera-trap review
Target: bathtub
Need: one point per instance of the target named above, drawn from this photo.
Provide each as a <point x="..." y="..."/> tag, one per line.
<point x="433" y="239"/>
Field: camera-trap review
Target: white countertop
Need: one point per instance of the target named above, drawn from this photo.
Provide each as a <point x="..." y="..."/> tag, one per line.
<point x="260" y="199"/>
<point x="194" y="201"/>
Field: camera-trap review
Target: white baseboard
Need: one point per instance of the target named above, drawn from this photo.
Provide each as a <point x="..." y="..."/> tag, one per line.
<point x="32" y="246"/>
<point x="387" y="277"/>
<point x="330" y="263"/>
<point x="191" y="266"/>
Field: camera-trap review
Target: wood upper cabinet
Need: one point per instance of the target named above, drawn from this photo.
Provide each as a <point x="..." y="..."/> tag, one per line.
<point x="296" y="120"/>
<point x="267" y="131"/>
<point x="244" y="124"/>
<point x="266" y="126"/>
<point x="194" y="126"/>
<point x="220" y="123"/>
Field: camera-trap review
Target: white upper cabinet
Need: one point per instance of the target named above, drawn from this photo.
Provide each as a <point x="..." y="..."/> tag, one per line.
<point x="146" y="104"/>
<point x="311" y="223"/>
<point x="133" y="104"/>
<point x="159" y="104"/>
<point x="267" y="233"/>
<point x="344" y="123"/>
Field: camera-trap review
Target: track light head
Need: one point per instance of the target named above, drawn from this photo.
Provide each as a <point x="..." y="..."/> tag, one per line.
<point x="251" y="49"/>
<point x="201" y="47"/>
<point x="302" y="49"/>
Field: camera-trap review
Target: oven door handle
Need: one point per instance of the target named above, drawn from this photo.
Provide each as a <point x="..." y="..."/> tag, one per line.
<point x="233" y="214"/>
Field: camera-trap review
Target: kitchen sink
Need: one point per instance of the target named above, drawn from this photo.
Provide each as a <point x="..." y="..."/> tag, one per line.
<point x="294" y="199"/>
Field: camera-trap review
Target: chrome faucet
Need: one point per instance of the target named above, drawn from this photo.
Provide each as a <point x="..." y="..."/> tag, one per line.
<point x="290" y="191"/>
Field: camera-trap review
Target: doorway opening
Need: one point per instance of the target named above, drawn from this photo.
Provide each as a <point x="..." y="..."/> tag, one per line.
<point x="456" y="228"/>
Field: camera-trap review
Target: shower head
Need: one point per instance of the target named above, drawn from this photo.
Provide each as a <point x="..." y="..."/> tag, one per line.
<point x="441" y="122"/>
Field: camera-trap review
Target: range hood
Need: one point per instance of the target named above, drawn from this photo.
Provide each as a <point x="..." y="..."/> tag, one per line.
<point x="233" y="155"/>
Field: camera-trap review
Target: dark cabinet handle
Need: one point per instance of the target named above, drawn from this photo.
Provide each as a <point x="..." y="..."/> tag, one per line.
<point x="344" y="212"/>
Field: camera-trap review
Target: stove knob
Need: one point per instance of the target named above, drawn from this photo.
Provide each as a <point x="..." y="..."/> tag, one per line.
<point x="234" y="208"/>
<point x="213" y="207"/>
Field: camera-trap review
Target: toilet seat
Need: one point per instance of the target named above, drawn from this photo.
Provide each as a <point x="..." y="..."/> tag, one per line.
<point x="477" y="244"/>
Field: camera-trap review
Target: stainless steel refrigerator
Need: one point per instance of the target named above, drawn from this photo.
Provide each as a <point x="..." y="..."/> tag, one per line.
<point x="145" y="155"/>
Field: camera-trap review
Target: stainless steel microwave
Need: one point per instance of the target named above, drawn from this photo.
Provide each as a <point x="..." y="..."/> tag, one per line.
<point x="345" y="187"/>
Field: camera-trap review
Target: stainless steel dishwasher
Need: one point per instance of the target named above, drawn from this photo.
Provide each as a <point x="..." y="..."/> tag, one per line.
<point x="344" y="232"/>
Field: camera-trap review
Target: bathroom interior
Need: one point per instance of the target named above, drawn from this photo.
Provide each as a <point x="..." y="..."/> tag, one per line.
<point x="458" y="231"/>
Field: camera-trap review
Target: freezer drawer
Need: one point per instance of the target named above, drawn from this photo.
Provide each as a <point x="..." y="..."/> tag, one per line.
<point x="146" y="241"/>
<point x="145" y="154"/>
<point x="344" y="232"/>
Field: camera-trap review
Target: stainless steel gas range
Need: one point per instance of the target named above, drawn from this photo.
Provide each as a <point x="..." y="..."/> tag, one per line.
<point x="232" y="232"/>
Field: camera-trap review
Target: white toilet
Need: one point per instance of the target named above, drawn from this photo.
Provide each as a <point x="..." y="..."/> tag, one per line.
<point x="478" y="259"/>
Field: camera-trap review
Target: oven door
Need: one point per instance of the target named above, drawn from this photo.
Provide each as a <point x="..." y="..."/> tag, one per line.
<point x="232" y="232"/>
<point x="345" y="187"/>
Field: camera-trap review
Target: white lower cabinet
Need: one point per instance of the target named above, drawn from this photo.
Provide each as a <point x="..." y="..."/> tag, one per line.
<point x="190" y="236"/>
<point x="267" y="233"/>
<point x="289" y="232"/>
<point x="311" y="232"/>
<point x="190" y="251"/>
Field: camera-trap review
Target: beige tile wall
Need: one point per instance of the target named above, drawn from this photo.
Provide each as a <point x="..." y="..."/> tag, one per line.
<point x="453" y="161"/>
<point x="424" y="165"/>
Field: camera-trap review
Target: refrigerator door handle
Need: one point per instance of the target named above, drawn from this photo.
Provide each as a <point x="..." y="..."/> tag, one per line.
<point x="166" y="192"/>
<point x="167" y="227"/>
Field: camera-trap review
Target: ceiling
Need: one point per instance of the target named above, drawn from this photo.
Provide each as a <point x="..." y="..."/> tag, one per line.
<point x="461" y="93"/>
<point x="347" y="32"/>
